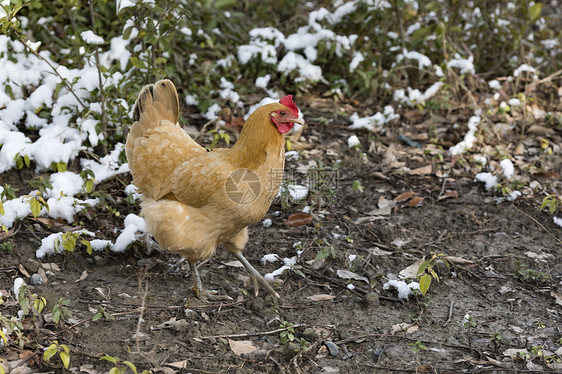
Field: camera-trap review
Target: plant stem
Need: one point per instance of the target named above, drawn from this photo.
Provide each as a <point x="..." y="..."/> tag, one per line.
<point x="102" y="92"/>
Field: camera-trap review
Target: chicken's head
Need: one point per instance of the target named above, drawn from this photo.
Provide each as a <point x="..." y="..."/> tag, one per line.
<point x="286" y="118"/>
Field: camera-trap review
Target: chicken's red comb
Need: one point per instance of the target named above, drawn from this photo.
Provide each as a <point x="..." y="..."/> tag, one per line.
<point x="288" y="102"/>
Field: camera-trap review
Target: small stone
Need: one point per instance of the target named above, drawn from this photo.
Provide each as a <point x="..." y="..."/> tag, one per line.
<point x="212" y="340"/>
<point x="100" y="261"/>
<point x="222" y="341"/>
<point x="311" y="334"/>
<point x="32" y="265"/>
<point x="36" y="279"/>
<point x="334" y="350"/>
<point x="260" y="354"/>
<point x="372" y="299"/>
<point x="190" y="314"/>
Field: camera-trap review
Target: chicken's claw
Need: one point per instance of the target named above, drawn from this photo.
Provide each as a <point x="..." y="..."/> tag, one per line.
<point x="255" y="276"/>
<point x="203" y="294"/>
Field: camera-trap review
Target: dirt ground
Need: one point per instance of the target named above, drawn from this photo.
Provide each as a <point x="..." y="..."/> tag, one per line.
<point x="505" y="274"/>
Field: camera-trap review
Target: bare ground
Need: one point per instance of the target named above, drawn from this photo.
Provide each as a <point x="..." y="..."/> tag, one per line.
<point x="356" y="331"/>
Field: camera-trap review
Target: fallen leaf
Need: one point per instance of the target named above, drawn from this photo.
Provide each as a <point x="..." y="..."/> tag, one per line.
<point x="6" y="235"/>
<point x="408" y="328"/>
<point x="542" y="256"/>
<point x="298" y="219"/>
<point x="457" y="260"/>
<point x="376" y="251"/>
<point x="320" y="297"/>
<point x="449" y="194"/>
<point x="412" y="270"/>
<point x="424" y="170"/>
<point x="404" y="196"/>
<point x="512" y="352"/>
<point x="557" y="296"/>
<point x="234" y="264"/>
<point x="540" y="130"/>
<point x="23" y="271"/>
<point x="241" y="346"/>
<point x="416" y="201"/>
<point x="346" y="274"/>
<point x="179" y="364"/>
<point x="89" y="369"/>
<point x="83" y="276"/>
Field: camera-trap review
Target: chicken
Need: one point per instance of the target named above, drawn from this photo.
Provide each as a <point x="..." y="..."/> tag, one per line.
<point x="194" y="200"/>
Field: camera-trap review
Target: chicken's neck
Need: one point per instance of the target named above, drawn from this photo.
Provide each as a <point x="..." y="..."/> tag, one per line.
<point x="256" y="143"/>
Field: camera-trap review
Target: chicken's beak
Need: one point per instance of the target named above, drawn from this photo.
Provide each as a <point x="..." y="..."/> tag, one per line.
<point x="298" y="121"/>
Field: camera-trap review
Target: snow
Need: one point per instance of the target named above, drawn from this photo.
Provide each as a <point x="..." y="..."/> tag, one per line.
<point x="375" y="121"/>
<point x="353" y="141"/>
<point x="18" y="284"/>
<point x="357" y="59"/>
<point x="507" y="168"/>
<point x="91" y="38"/>
<point x="306" y="70"/>
<point x="557" y="221"/>
<point x="133" y="225"/>
<point x="464" y="65"/>
<point x="404" y="289"/>
<point x="495" y="85"/>
<point x="469" y="137"/>
<point x="514" y="102"/>
<point x="266" y="222"/>
<point x="288" y="263"/>
<point x="524" y="68"/>
<point x="414" y="96"/>
<point x="487" y="178"/>
<point x="423" y="60"/>
<point x="272" y="257"/>
<point x="297" y="192"/>
<point x="261" y="82"/>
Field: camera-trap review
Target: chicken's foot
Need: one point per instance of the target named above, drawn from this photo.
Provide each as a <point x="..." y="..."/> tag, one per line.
<point x="255" y="276"/>
<point x="203" y="294"/>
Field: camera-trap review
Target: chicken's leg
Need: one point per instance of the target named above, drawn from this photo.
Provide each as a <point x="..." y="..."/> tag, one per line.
<point x="202" y="294"/>
<point x="255" y="276"/>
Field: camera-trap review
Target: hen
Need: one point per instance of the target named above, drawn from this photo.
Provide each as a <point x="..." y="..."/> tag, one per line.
<point x="194" y="200"/>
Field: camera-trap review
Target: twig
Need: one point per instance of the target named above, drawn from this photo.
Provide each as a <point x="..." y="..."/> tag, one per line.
<point x="450" y="313"/>
<point x="538" y="223"/>
<point x="311" y="348"/>
<point x="259" y="333"/>
<point x="63" y="80"/>
<point x="211" y="122"/>
<point x="102" y="91"/>
<point x="143" y="289"/>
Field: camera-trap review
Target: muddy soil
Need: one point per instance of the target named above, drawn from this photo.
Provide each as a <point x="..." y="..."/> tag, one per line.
<point x="498" y="294"/>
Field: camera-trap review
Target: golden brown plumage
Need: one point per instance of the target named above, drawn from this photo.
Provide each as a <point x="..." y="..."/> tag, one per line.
<point x="194" y="200"/>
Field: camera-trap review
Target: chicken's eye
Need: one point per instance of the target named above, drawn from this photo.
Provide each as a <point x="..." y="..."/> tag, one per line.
<point x="283" y="113"/>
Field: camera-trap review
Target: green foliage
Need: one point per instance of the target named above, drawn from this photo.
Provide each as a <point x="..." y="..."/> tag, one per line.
<point x="61" y="349"/>
<point x="61" y="310"/>
<point x="217" y="136"/>
<point x="288" y="333"/>
<point x="417" y="346"/>
<point x="121" y="367"/>
<point x="523" y="273"/>
<point x="102" y="312"/>
<point x="426" y="272"/>
<point x="553" y="203"/>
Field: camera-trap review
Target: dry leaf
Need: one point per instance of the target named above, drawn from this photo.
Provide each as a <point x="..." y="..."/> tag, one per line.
<point x="23" y="271"/>
<point x="416" y="201"/>
<point x="412" y="270"/>
<point x="179" y="364"/>
<point x="457" y="260"/>
<point x="241" y="346"/>
<point x="404" y="196"/>
<point x="298" y="219"/>
<point x="424" y="170"/>
<point x="540" y="130"/>
<point x="451" y="193"/>
<point x="234" y="264"/>
<point x="346" y="274"/>
<point x="83" y="276"/>
<point x="6" y="235"/>
<point x="376" y="251"/>
<point x="557" y="296"/>
<point x="408" y="328"/>
<point x="320" y="297"/>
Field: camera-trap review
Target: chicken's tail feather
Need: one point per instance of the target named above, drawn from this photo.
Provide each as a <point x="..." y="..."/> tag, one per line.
<point x="163" y="97"/>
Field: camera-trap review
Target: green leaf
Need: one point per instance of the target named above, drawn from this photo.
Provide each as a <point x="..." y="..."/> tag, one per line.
<point x="61" y="167"/>
<point x="88" y="245"/>
<point x="97" y="316"/>
<point x="535" y="11"/>
<point x="50" y="352"/>
<point x="89" y="185"/>
<point x="110" y="359"/>
<point x="3" y="336"/>
<point x="114" y="370"/>
<point x="137" y="63"/>
<point x="65" y="358"/>
<point x="2" y="211"/>
<point x="35" y="207"/>
<point x="425" y="282"/>
<point x="131" y="366"/>
<point x="26" y="161"/>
